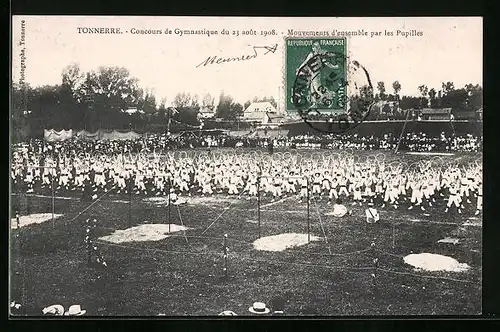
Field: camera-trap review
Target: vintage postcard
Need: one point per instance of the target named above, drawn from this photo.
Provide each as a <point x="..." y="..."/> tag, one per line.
<point x="244" y="166"/>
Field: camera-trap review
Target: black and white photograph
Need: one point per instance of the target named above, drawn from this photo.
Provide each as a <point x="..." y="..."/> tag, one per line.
<point x="245" y="166"/>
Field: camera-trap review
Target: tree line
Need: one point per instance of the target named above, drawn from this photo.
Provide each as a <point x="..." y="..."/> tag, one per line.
<point x="467" y="98"/>
<point x="106" y="98"/>
<point x="103" y="99"/>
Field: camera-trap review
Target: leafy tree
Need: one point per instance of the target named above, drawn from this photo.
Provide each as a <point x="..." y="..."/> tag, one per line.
<point x="381" y="90"/>
<point x="237" y="109"/>
<point x="366" y="92"/>
<point x="115" y="83"/>
<point x="432" y="98"/>
<point x="161" y="111"/>
<point x="247" y="103"/>
<point x="71" y="96"/>
<point x="147" y="102"/>
<point x="224" y="108"/>
<point x="227" y="108"/>
<point x="208" y="101"/>
<point x="73" y="78"/>
<point x="195" y="104"/>
<point x="408" y="102"/>
<point x="182" y="100"/>
<point x="162" y="115"/>
<point x="470" y="88"/>
<point x="456" y="99"/>
<point x="187" y="107"/>
<point x="424" y="90"/>
<point x="107" y="91"/>
<point x="447" y="87"/>
<point x="474" y="96"/>
<point x="391" y="97"/>
<point x="187" y="115"/>
<point x="41" y="108"/>
<point x="396" y="86"/>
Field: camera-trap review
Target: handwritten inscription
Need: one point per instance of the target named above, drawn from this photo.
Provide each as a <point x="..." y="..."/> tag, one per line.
<point x="216" y="60"/>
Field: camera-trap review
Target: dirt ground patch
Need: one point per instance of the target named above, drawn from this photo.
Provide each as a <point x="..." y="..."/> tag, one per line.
<point x="142" y="233"/>
<point x="434" y="262"/>
<point x="35" y="218"/>
<point x="281" y="242"/>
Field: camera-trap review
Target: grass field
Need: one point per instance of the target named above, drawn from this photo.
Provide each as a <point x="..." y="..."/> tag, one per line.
<point x="183" y="274"/>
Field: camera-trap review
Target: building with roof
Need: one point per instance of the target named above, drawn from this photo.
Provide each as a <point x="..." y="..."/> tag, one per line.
<point x="259" y="112"/>
<point x="133" y="110"/>
<point x="436" y="114"/>
<point x="206" y="112"/>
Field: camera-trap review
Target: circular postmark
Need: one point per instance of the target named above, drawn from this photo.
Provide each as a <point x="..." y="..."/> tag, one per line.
<point x="332" y="93"/>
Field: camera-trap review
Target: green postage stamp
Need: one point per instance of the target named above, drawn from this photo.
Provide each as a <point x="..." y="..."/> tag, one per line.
<point x="316" y="75"/>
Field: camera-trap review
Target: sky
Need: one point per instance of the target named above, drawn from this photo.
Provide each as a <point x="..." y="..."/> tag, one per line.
<point x="449" y="49"/>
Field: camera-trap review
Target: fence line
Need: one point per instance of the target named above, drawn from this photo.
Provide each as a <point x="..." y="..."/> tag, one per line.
<point x="281" y="211"/>
<point x="276" y="202"/>
<point x="276" y="262"/>
<point x="251" y="243"/>
<point x="427" y="221"/>
<point x="422" y="276"/>
<point x="331" y="254"/>
<point x="196" y="237"/>
<point x="309" y="264"/>
<point x="150" y="249"/>
<point x="43" y="196"/>
<point x="388" y="253"/>
<point x="245" y="259"/>
<point x="271" y="261"/>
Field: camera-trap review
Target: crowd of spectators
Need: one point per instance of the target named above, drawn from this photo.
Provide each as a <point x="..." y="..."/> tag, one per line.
<point x="413" y="142"/>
